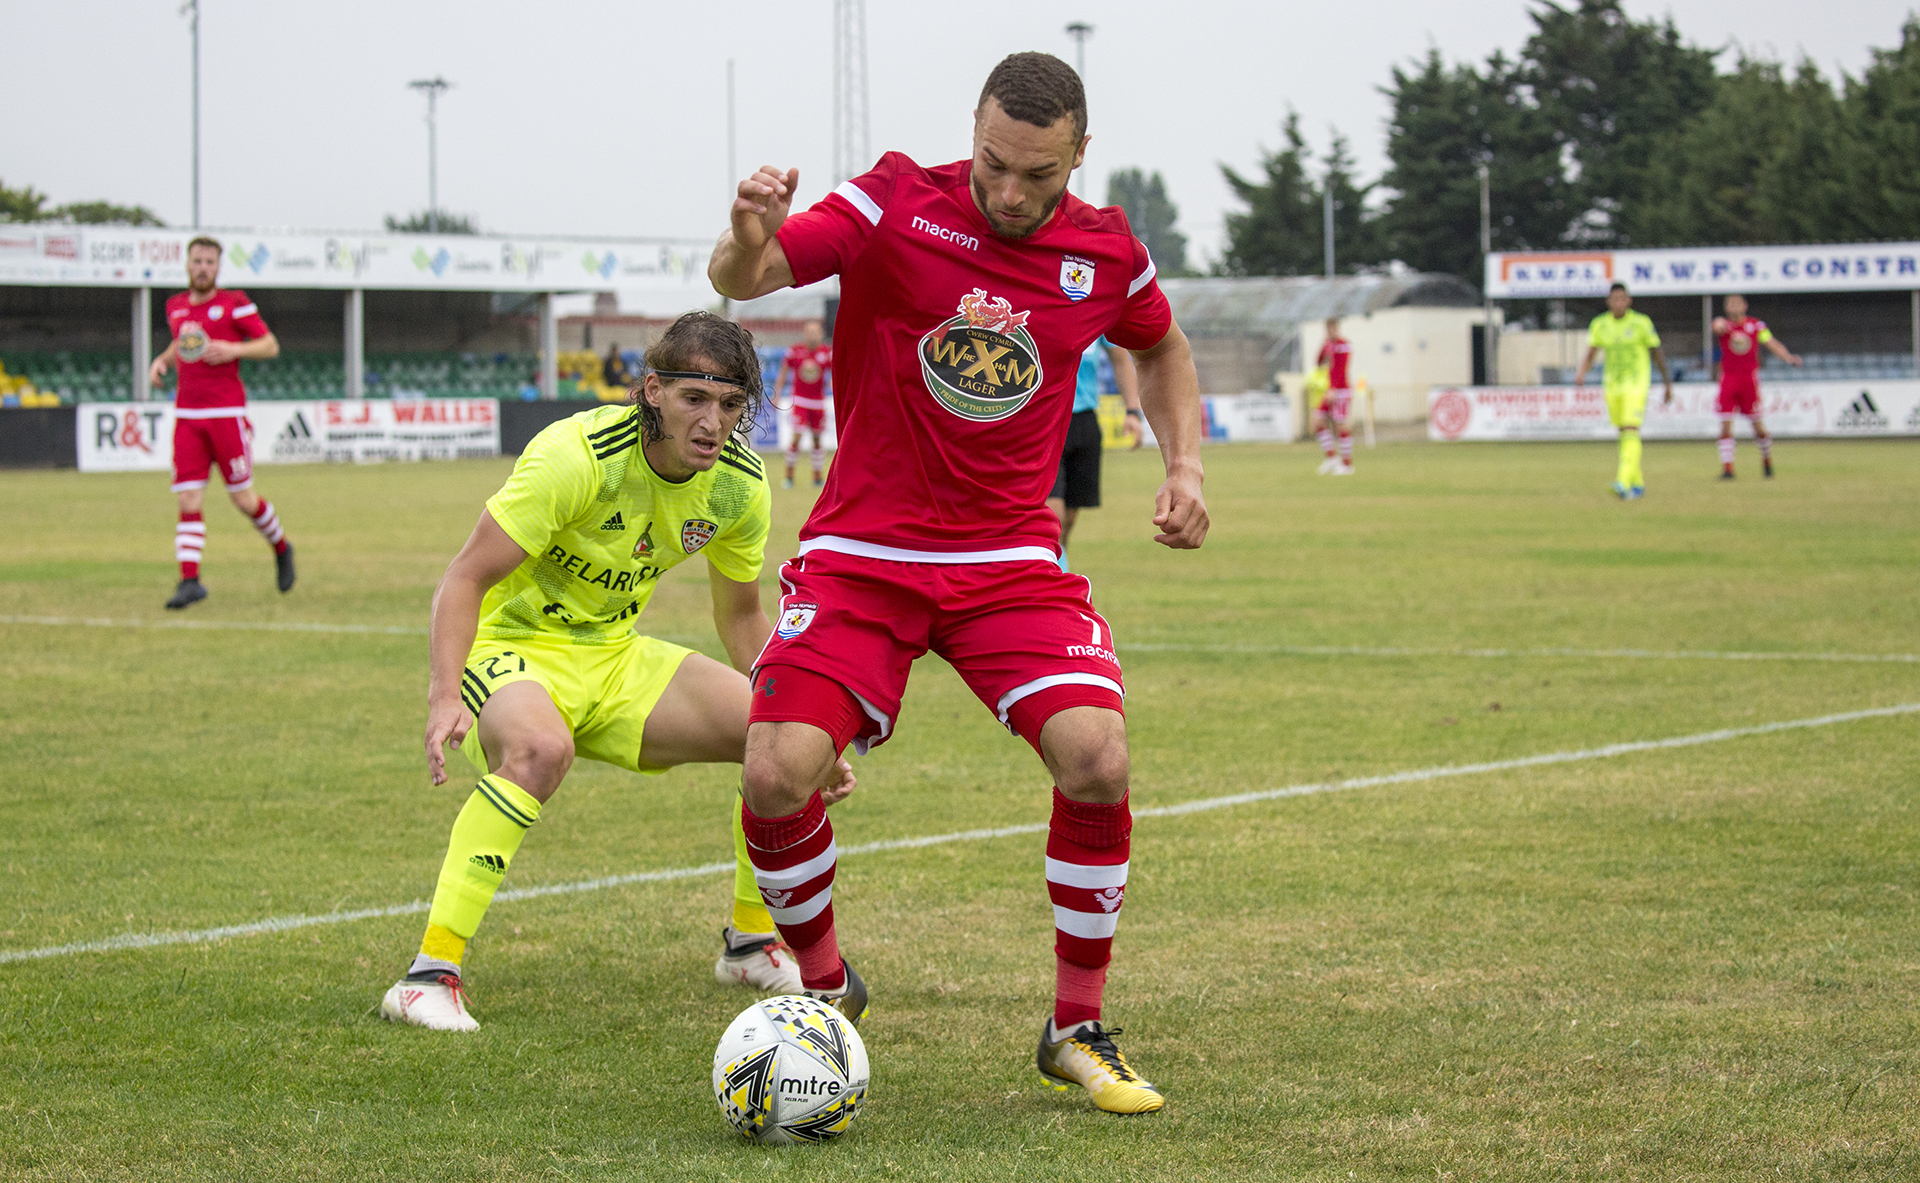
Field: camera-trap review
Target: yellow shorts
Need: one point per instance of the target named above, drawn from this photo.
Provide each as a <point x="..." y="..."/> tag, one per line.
<point x="1627" y="408"/>
<point x="604" y="692"/>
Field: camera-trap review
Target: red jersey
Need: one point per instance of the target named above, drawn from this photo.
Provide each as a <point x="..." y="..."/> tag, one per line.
<point x="1335" y="355"/>
<point x="228" y="316"/>
<point x="809" y="365"/>
<point x="958" y="354"/>
<point x="1740" y="346"/>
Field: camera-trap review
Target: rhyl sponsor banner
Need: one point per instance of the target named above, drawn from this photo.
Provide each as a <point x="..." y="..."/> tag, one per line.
<point x="125" y="256"/>
<point x="138" y="437"/>
<point x="1580" y="412"/>
<point x="1707" y="271"/>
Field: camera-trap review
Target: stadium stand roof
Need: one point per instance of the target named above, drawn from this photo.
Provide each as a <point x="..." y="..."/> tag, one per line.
<point x="1271" y="306"/>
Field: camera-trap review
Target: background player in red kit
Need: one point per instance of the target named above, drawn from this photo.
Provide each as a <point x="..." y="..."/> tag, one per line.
<point x="967" y="293"/>
<point x="1330" y="416"/>
<point x="212" y="331"/>
<point x="805" y="368"/>
<point x="1740" y="337"/>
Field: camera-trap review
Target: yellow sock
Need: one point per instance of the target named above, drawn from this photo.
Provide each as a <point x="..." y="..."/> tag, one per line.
<point x="485" y="837"/>
<point x="1629" y="474"/>
<point x="749" y="910"/>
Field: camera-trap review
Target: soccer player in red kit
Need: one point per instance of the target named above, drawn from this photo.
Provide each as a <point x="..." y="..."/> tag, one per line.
<point x="805" y="368"/>
<point x="1740" y="337"/>
<point x="1330" y="416"/>
<point x="967" y="293"/>
<point x="213" y="329"/>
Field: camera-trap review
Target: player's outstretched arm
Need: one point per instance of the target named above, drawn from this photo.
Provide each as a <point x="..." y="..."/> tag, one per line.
<point x="1170" y="397"/>
<point x="157" y="372"/>
<point x="1127" y="380"/>
<point x="488" y="557"/>
<point x="748" y="260"/>
<point x="738" y="618"/>
<point x="1660" y="359"/>
<point x="259" y="349"/>
<point x="1782" y="352"/>
<point x="1586" y="363"/>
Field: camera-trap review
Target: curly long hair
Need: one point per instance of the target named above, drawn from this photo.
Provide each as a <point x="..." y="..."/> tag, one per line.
<point x="704" y="343"/>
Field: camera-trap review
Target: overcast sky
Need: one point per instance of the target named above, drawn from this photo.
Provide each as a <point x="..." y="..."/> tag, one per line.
<point x="610" y="118"/>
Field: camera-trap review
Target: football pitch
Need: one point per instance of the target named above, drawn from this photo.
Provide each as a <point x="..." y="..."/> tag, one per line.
<point x="1534" y="884"/>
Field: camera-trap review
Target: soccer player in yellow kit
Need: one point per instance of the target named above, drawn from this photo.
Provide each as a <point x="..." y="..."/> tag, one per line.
<point x="1629" y="341"/>
<point x="532" y="643"/>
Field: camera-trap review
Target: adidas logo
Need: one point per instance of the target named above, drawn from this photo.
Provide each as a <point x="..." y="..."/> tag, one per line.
<point x="491" y="862"/>
<point x="614" y="522"/>
<point x="1862" y="415"/>
<point x="297" y="428"/>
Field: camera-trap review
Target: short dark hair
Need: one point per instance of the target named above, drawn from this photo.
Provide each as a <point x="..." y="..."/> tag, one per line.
<point x="1037" y="88"/>
<point x="1618" y="287"/>
<point x="701" y="342"/>
<point x="203" y="240"/>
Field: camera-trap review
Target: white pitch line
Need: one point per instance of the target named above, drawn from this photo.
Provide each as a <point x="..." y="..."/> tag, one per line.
<point x="1658" y="654"/>
<point x="1412" y="776"/>
<point x="268" y="626"/>
<point x="394" y="630"/>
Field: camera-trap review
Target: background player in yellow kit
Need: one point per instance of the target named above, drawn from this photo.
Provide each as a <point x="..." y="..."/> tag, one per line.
<point x="1629" y="342"/>
<point x="532" y="641"/>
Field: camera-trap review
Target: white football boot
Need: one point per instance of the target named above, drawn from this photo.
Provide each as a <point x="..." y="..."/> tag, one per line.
<point x="766" y="966"/>
<point x="1343" y="470"/>
<point x="1085" y="1055"/>
<point x="1328" y="465"/>
<point x="438" y="1004"/>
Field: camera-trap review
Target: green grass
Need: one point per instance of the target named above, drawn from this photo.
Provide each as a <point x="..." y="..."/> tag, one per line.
<point x="1679" y="964"/>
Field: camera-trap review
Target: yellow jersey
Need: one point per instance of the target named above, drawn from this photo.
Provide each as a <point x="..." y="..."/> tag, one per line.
<point x="1629" y="342"/>
<point x="600" y="527"/>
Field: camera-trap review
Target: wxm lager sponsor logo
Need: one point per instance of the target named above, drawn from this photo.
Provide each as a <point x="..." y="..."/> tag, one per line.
<point x="982" y="364"/>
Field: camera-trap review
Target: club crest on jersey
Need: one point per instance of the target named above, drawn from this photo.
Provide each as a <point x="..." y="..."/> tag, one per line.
<point x="1076" y="277"/>
<point x="216" y="312"/>
<point x="643" y="549"/>
<point x="193" y="341"/>
<point x="795" y="618"/>
<point x="696" y="533"/>
<point x="982" y="364"/>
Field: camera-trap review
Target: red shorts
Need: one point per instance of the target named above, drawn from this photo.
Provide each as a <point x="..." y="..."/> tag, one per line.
<point x="1739" y="395"/>
<point x="810" y="418"/>
<point x="1337" y="405"/>
<point x="1012" y="630"/>
<point x="198" y="444"/>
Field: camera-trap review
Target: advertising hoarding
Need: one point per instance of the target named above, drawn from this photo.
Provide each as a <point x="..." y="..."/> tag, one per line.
<point x="1826" y="409"/>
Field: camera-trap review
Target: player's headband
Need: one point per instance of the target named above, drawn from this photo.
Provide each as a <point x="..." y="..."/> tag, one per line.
<point x="699" y="377"/>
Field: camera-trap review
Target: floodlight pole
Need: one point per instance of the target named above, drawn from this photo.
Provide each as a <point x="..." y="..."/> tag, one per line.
<point x="1080" y="31"/>
<point x="192" y="9"/>
<point x="1326" y="220"/>
<point x="432" y="86"/>
<point x="1489" y="346"/>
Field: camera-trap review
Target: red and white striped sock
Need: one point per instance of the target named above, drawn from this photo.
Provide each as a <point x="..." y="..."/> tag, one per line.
<point x="1087" y="851"/>
<point x="1726" y="450"/>
<point x="1346" y="448"/>
<point x="1326" y="441"/>
<point x="268" y="523"/>
<point x="819" y="460"/>
<point x="1766" y="446"/>
<point x="793" y="862"/>
<point x="189" y="542"/>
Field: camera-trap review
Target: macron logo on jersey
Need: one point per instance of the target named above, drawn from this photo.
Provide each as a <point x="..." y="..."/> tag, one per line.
<point x="941" y="232"/>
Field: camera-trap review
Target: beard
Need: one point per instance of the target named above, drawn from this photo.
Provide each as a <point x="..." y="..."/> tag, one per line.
<point x="1001" y="228"/>
<point x="196" y="285"/>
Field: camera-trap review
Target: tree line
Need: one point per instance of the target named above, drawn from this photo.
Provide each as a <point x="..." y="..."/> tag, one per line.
<point x="1604" y="131"/>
